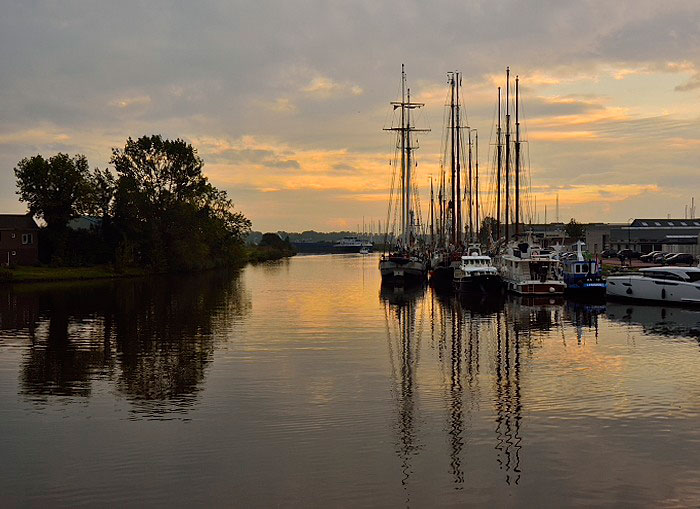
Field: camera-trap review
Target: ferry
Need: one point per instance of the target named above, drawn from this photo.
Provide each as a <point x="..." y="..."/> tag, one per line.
<point x="352" y="244"/>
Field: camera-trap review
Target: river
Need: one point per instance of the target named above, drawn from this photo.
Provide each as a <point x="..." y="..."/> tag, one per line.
<point x="302" y="383"/>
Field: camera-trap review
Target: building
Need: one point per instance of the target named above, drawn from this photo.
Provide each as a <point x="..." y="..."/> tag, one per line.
<point x="19" y="240"/>
<point x="668" y="235"/>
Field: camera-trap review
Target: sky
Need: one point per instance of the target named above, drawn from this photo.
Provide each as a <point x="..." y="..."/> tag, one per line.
<point x="285" y="101"/>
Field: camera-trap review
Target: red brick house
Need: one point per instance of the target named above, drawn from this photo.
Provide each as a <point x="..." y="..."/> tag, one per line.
<point x="19" y="240"/>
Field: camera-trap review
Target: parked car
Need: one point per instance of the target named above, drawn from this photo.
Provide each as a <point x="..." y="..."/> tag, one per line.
<point x="649" y="256"/>
<point x="608" y="253"/>
<point x="680" y="259"/>
<point x="629" y="254"/>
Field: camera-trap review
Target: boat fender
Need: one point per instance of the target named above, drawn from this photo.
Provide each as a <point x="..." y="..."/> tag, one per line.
<point x="629" y="291"/>
<point x="663" y="293"/>
<point x="551" y="289"/>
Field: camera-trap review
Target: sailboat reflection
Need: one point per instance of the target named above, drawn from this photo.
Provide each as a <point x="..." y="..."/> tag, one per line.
<point x="404" y="344"/>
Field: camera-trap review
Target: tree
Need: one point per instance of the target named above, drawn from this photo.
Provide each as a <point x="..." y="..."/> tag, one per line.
<point x="487" y="229"/>
<point x="166" y="206"/>
<point x="575" y="230"/>
<point x="57" y="189"/>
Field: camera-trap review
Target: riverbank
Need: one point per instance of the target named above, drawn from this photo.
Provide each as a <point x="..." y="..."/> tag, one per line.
<point x="27" y="274"/>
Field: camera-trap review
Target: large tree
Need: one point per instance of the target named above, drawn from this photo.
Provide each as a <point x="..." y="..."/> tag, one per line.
<point x="55" y="189"/>
<point x="166" y="205"/>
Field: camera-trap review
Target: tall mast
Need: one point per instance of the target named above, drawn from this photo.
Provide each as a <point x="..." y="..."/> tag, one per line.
<point x="432" y="215"/>
<point x="458" y="158"/>
<point x="517" y="161"/>
<point x="409" y="218"/>
<point x="498" y="169"/>
<point x="476" y="186"/>
<point x="403" y="153"/>
<point x="453" y="226"/>
<point x="471" y="226"/>
<point x="507" y="148"/>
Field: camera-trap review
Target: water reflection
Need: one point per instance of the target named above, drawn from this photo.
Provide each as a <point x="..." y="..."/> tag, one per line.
<point x="657" y="320"/>
<point x="404" y="343"/>
<point x="154" y="337"/>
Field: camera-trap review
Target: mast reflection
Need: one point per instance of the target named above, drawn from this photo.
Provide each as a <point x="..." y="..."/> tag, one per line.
<point x="404" y="343"/>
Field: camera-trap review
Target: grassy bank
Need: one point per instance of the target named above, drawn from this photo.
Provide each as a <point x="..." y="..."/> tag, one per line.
<point x="28" y="274"/>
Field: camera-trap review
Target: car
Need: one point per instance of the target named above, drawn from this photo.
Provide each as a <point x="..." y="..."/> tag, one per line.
<point x="649" y="256"/>
<point x="608" y="253"/>
<point x="628" y="254"/>
<point x="680" y="259"/>
<point x="658" y="258"/>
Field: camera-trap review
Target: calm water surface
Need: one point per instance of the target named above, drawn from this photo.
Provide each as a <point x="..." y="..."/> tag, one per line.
<point x="301" y="383"/>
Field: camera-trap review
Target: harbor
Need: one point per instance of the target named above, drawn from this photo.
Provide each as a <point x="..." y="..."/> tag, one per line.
<point x="228" y="383"/>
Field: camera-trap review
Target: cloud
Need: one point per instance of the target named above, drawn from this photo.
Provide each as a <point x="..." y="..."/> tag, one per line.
<point x="128" y="102"/>
<point x="324" y="87"/>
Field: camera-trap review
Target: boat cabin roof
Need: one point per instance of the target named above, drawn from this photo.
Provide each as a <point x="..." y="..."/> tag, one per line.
<point x="476" y="257"/>
<point x="681" y="273"/>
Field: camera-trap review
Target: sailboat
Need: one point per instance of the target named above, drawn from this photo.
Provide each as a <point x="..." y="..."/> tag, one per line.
<point x="449" y="245"/>
<point x="407" y="261"/>
<point x="526" y="268"/>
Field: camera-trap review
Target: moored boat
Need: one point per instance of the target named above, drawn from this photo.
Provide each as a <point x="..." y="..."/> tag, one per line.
<point x="583" y="277"/>
<point x="477" y="274"/>
<point x="679" y="285"/>
<point x="530" y="270"/>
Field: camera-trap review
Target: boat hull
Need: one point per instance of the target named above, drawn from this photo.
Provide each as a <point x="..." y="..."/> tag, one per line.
<point x="536" y="288"/>
<point x="442" y="275"/>
<point x="653" y="290"/>
<point x="350" y="249"/>
<point x="484" y="283"/>
<point x="596" y="289"/>
<point x="402" y="271"/>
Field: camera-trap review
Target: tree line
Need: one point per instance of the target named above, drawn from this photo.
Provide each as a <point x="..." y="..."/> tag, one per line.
<point x="156" y="210"/>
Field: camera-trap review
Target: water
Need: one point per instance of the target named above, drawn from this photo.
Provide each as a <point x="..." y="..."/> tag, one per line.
<point x="300" y="383"/>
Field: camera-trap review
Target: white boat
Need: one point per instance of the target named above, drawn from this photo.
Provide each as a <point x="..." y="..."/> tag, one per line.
<point x="351" y="244"/>
<point x="531" y="270"/>
<point x="476" y="273"/>
<point x="364" y="251"/>
<point x="679" y="285"/>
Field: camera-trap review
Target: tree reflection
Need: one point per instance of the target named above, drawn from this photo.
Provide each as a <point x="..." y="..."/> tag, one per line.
<point x="154" y="336"/>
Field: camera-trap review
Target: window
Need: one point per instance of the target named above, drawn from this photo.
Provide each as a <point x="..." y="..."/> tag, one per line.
<point x="27" y="238"/>
<point x="645" y="224"/>
<point x="670" y="223"/>
<point x="693" y="276"/>
<point x="657" y="223"/>
<point x="684" y="223"/>
<point x="14" y="235"/>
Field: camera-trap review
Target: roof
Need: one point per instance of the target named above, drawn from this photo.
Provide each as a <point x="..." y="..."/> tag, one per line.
<point x="666" y="223"/>
<point x="17" y="222"/>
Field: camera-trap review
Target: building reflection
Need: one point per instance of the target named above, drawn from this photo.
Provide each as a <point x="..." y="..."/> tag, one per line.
<point x="153" y="336"/>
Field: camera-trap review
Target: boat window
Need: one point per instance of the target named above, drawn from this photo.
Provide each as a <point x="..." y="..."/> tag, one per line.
<point x="645" y="224"/>
<point x="659" y="274"/>
<point x="684" y="223"/>
<point x="670" y="223"/>
<point x="657" y="223"/>
<point x="693" y="276"/>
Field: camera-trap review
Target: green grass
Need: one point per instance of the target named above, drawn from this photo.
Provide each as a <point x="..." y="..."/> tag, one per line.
<point x="26" y="274"/>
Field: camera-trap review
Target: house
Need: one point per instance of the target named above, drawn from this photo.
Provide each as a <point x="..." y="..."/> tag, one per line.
<point x="19" y="240"/>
